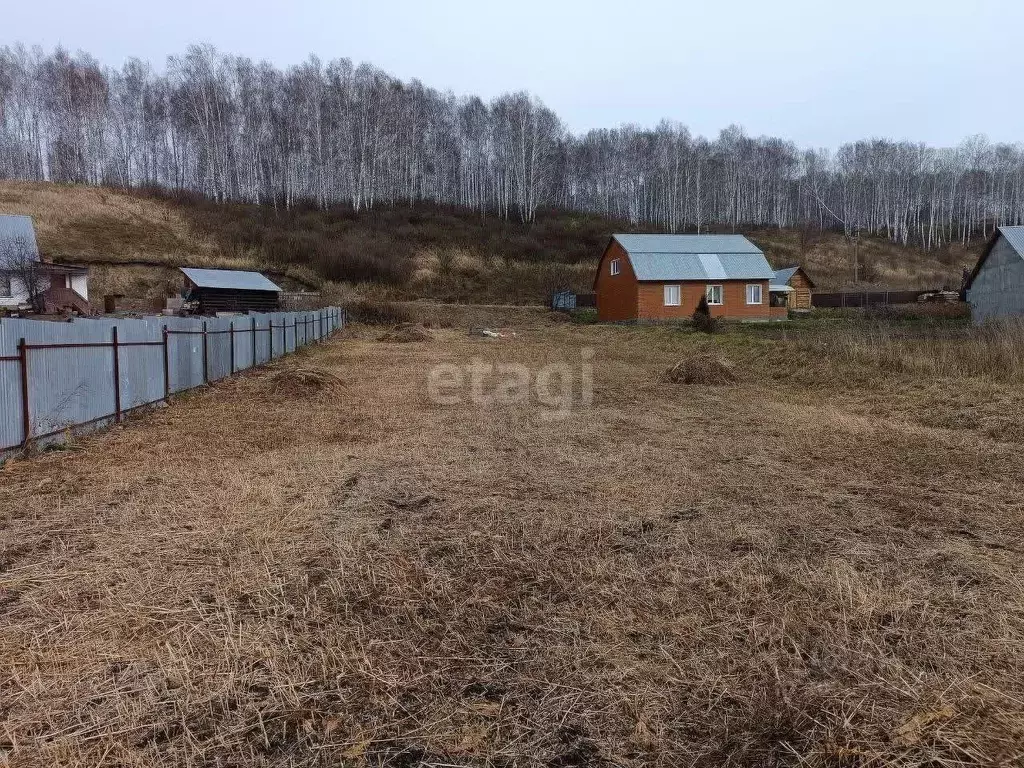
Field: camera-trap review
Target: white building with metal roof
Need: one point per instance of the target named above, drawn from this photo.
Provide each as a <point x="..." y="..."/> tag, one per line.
<point x="29" y="282"/>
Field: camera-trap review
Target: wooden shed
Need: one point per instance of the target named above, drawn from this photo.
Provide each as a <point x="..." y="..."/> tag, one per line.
<point x="230" y="290"/>
<point x="797" y="279"/>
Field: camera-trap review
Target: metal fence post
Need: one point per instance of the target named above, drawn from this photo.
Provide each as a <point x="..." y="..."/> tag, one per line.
<point x="231" y="336"/>
<point x="167" y="365"/>
<point x="117" y="376"/>
<point x="206" y="363"/>
<point x="25" y="413"/>
<point x="271" y="324"/>
<point x="252" y="330"/>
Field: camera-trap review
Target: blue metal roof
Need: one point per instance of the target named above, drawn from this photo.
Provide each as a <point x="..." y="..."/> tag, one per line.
<point x="687" y="243"/>
<point x="695" y="257"/>
<point x="19" y="229"/>
<point x="232" y="279"/>
<point x="782" y="276"/>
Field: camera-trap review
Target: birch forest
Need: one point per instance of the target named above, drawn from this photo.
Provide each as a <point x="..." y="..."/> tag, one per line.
<point x="336" y="133"/>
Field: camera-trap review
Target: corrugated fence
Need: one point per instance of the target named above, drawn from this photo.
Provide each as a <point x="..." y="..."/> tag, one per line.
<point x="55" y="376"/>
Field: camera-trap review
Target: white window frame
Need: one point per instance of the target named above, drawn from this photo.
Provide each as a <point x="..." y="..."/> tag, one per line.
<point x="669" y="289"/>
<point x="760" y="293"/>
<point x="615" y="267"/>
<point x="721" y="295"/>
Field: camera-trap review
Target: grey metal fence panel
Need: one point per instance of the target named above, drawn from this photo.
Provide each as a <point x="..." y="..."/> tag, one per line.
<point x="291" y="334"/>
<point x="185" y="352"/>
<point x="276" y="336"/>
<point x="218" y="348"/>
<point x="262" y="338"/>
<point x="284" y="341"/>
<point x="67" y="386"/>
<point x="243" y="340"/>
<point x="70" y="366"/>
<point x="140" y="368"/>
<point x="11" y="431"/>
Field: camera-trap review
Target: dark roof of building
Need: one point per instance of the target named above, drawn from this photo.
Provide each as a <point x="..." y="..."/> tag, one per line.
<point x="694" y="257"/>
<point x="15" y="228"/>
<point x="229" y="279"/>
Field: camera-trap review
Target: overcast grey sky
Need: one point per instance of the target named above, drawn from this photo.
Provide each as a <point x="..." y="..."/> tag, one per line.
<point x="814" y="71"/>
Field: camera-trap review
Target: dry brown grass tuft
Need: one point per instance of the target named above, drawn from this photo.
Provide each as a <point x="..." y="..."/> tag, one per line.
<point x="407" y="332"/>
<point x="764" y="574"/>
<point x="304" y="381"/>
<point x="705" y="368"/>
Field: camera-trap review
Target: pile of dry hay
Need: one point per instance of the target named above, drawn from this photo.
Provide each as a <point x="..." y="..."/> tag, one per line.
<point x="703" y="368"/>
<point x="302" y="382"/>
<point x="404" y="332"/>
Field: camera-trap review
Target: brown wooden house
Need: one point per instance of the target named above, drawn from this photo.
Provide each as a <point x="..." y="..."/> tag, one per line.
<point x="801" y="284"/>
<point x="663" y="277"/>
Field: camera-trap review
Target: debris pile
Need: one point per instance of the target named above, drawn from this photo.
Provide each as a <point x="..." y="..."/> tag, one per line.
<point x="406" y="332"/>
<point x="302" y="382"/>
<point x="488" y="333"/>
<point x="703" y="368"/>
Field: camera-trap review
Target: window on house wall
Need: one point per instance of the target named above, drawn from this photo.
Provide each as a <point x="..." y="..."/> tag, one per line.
<point x="753" y="293"/>
<point x="616" y="266"/>
<point x="714" y="294"/>
<point x="5" y="285"/>
<point x="672" y="296"/>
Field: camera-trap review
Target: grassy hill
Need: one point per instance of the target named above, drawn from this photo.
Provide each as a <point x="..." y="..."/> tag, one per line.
<point x="136" y="240"/>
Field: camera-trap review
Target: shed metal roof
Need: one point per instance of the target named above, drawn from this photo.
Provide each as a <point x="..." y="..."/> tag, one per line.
<point x="1015" y="237"/>
<point x="695" y="257"/>
<point x="15" y="228"/>
<point x="782" y="276"/>
<point x="230" y="279"/>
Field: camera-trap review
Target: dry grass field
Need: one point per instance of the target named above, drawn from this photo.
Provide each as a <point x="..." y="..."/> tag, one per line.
<point x="315" y="564"/>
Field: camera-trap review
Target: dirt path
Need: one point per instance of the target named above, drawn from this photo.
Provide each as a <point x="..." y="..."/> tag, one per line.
<point x="672" y="575"/>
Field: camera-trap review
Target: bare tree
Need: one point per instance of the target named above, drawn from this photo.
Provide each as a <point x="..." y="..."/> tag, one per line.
<point x="21" y="272"/>
<point x="332" y="132"/>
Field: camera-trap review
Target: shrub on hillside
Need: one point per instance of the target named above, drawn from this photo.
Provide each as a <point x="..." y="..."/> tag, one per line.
<point x="702" y="319"/>
<point x="583" y="316"/>
<point x="372" y="312"/>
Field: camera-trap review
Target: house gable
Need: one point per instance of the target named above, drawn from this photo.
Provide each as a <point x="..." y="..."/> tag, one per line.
<point x="996" y="288"/>
<point x="616" y="294"/>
